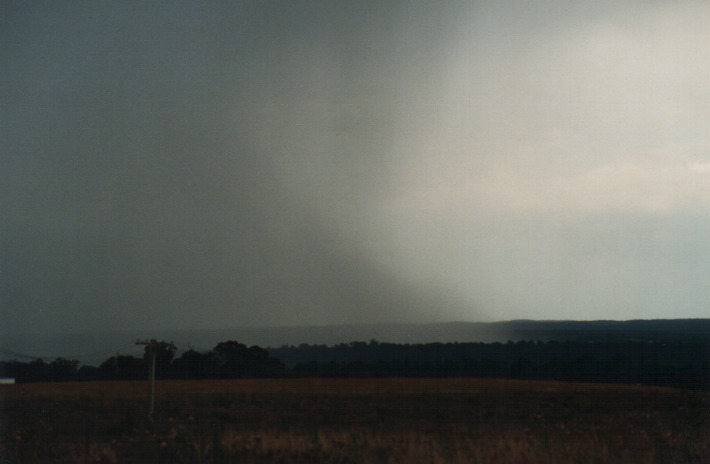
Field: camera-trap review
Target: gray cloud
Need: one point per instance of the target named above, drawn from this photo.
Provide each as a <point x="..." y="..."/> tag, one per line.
<point x="193" y="166"/>
<point x="250" y="163"/>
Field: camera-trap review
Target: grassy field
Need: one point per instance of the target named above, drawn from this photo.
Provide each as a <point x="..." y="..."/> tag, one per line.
<point x="372" y="421"/>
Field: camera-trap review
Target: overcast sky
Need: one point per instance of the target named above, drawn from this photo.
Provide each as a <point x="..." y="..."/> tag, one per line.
<point x="209" y="164"/>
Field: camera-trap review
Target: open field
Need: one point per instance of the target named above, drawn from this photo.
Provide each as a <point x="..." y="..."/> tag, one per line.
<point x="362" y="420"/>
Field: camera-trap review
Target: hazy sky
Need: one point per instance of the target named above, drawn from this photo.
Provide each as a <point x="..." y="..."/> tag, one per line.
<point x="217" y="164"/>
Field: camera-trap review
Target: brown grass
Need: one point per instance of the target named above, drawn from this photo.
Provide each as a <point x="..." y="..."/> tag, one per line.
<point x="364" y="420"/>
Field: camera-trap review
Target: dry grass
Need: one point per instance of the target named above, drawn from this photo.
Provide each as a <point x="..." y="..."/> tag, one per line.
<point x="369" y="421"/>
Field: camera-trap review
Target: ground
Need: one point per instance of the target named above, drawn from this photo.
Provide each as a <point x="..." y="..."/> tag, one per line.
<point x="354" y="420"/>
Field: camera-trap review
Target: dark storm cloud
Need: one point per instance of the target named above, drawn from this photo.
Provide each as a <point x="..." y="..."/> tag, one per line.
<point x="245" y="163"/>
<point x="139" y="185"/>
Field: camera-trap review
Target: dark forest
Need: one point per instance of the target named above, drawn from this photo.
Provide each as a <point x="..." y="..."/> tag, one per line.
<point x="678" y="363"/>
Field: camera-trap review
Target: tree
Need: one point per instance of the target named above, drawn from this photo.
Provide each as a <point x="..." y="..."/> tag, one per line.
<point x="232" y="351"/>
<point x="236" y="360"/>
<point x="195" y="365"/>
<point x="164" y="354"/>
<point x="122" y="368"/>
<point x="63" y="370"/>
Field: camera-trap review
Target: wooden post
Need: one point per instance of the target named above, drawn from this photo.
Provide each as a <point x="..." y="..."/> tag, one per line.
<point x="151" y="373"/>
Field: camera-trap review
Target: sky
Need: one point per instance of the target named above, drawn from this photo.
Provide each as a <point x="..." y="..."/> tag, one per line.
<point x="231" y="164"/>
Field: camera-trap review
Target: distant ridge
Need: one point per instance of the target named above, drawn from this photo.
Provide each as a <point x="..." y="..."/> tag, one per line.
<point x="50" y="346"/>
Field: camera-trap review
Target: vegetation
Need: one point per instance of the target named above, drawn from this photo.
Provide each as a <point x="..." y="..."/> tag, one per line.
<point x="371" y="402"/>
<point x="680" y="362"/>
<point x="354" y="420"/>
<point x="227" y="360"/>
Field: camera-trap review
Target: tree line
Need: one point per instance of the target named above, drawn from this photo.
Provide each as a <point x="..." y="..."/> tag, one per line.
<point x="679" y="363"/>
<point x="226" y="360"/>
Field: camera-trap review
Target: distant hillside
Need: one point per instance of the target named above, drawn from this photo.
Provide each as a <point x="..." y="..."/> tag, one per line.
<point x="488" y="332"/>
<point x="648" y="330"/>
<point x="662" y="352"/>
<point x="95" y="347"/>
